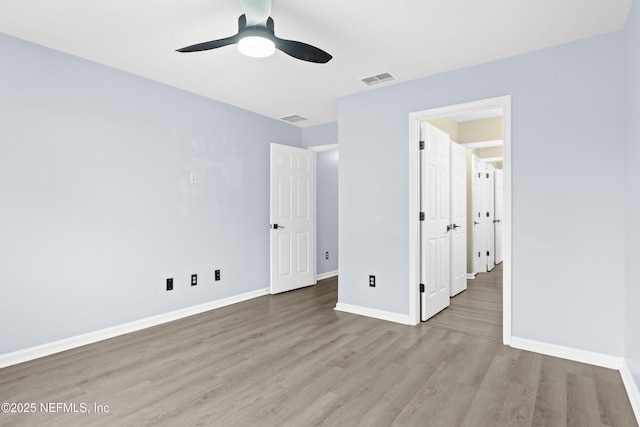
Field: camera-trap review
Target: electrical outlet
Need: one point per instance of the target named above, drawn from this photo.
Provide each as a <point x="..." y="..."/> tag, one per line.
<point x="217" y="275"/>
<point x="372" y="281"/>
<point x="170" y="284"/>
<point x="326" y="255"/>
<point x="194" y="279"/>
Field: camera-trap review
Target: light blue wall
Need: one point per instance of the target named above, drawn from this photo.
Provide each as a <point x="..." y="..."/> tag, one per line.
<point x="568" y="189"/>
<point x="96" y="205"/>
<point x="632" y="167"/>
<point x="327" y="210"/>
<point x="324" y="134"/>
<point x="327" y="194"/>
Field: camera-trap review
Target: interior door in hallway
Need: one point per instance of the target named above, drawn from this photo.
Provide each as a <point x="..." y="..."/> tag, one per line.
<point x="292" y="217"/>
<point x="479" y="237"/>
<point x="489" y="195"/>
<point x="458" y="219"/>
<point x="499" y="208"/>
<point x="435" y="273"/>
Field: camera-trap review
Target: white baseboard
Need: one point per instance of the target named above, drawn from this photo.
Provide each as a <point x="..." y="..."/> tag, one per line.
<point x="377" y="314"/>
<point x="327" y="275"/>
<point x="36" y="352"/>
<point x="471" y="276"/>
<point x="632" y="389"/>
<point x="597" y="359"/>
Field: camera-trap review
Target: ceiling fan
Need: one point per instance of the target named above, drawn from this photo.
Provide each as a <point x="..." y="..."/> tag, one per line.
<point x="256" y="37"/>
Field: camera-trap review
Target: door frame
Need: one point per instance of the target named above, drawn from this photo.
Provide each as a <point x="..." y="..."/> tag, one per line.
<point x="320" y="149"/>
<point x="415" y="118"/>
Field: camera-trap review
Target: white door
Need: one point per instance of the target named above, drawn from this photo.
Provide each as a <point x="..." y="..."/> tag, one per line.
<point x="479" y="235"/>
<point x="490" y="216"/>
<point x="292" y="217"/>
<point x="458" y="219"/>
<point x="434" y="235"/>
<point x="499" y="208"/>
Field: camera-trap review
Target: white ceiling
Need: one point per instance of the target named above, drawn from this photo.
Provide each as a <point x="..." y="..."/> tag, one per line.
<point x="409" y="38"/>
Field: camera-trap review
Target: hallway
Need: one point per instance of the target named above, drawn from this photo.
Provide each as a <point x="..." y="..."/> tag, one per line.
<point x="478" y="310"/>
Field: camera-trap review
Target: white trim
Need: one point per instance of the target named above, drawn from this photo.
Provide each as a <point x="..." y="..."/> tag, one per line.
<point x="483" y="144"/>
<point x="327" y="275"/>
<point x="632" y="389"/>
<point x="569" y="353"/>
<point x="492" y="159"/>
<point x="471" y="276"/>
<point x="371" y="312"/>
<point x="43" y="350"/>
<point x="414" y="218"/>
<point x="503" y="102"/>
<point x="320" y="148"/>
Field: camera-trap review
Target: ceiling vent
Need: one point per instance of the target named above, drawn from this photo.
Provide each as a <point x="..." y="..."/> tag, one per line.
<point x="378" y="78"/>
<point x="293" y="118"/>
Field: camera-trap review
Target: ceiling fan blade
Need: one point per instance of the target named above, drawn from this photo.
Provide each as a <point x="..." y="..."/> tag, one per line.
<point x="210" y="45"/>
<point x="302" y="51"/>
<point x="257" y="11"/>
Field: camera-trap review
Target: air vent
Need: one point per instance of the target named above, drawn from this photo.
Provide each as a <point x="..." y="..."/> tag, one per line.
<point x="293" y="118"/>
<point x="378" y="78"/>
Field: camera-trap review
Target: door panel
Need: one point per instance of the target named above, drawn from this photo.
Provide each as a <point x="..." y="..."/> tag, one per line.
<point x="499" y="208"/>
<point x="479" y="234"/>
<point x="293" y="211"/>
<point x="435" y="273"/>
<point x="458" y="219"/>
<point x="490" y="216"/>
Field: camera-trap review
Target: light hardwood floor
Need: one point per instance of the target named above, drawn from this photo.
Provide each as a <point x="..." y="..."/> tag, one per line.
<point x="290" y="359"/>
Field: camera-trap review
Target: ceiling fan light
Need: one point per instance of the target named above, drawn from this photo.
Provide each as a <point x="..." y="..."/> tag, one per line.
<point x="256" y="47"/>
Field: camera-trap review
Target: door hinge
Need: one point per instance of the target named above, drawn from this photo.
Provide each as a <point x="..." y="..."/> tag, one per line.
<point x="422" y="145"/>
<point x="488" y="253"/>
<point x="421" y="216"/>
<point x="487" y="176"/>
<point x="422" y="288"/>
<point x="487" y="214"/>
<point x="478" y="254"/>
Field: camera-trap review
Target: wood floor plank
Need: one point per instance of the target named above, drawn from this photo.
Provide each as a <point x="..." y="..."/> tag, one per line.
<point x="582" y="402"/>
<point x="292" y="360"/>
<point x="427" y="405"/>
<point x="551" y="400"/>
<point x="488" y="402"/>
<point x="518" y="407"/>
<point x="612" y="399"/>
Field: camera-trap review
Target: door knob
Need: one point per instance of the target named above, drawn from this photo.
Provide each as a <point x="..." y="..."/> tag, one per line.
<point x="475" y="223"/>
<point x="497" y="220"/>
<point x="275" y="226"/>
<point x="456" y="226"/>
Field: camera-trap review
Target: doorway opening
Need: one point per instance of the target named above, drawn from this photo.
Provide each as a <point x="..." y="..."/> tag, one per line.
<point x="502" y="103"/>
